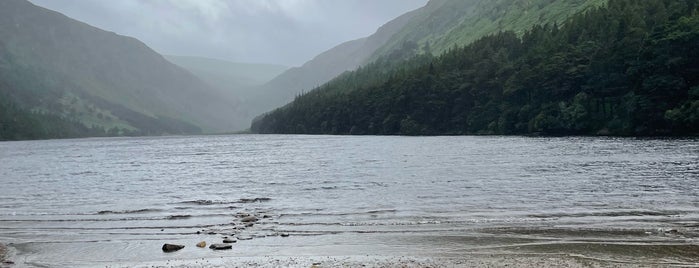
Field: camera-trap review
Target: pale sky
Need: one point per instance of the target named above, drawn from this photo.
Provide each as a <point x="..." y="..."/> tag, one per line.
<point x="287" y="32"/>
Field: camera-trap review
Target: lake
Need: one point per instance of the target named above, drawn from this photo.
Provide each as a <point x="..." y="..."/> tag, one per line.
<point x="103" y="201"/>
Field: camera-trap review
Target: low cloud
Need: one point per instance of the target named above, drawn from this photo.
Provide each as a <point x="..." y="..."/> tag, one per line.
<point x="286" y="32"/>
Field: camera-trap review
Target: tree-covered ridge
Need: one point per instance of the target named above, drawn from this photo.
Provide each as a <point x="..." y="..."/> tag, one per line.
<point x="629" y="68"/>
<point x="436" y="27"/>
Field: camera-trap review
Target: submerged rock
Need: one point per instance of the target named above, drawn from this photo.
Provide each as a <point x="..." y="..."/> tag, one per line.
<point x="172" y="247"/>
<point x="249" y="219"/>
<point x="201" y="244"/>
<point x="220" y="246"/>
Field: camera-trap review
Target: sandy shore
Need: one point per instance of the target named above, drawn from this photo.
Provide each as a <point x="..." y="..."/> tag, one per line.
<point x="476" y="260"/>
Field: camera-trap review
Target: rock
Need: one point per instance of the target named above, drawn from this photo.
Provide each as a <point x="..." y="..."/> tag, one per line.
<point x="220" y="246"/>
<point x="229" y="241"/>
<point x="211" y="233"/>
<point x="172" y="247"/>
<point x="266" y="216"/>
<point x="249" y="224"/>
<point x="198" y="232"/>
<point x="242" y="214"/>
<point x="284" y="234"/>
<point x="201" y="244"/>
<point x="249" y="219"/>
<point x="245" y="238"/>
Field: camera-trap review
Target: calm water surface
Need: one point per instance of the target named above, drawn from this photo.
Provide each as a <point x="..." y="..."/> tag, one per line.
<point x="101" y="201"/>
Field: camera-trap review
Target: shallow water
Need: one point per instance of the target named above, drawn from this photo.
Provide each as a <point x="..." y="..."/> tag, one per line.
<point x="102" y="201"/>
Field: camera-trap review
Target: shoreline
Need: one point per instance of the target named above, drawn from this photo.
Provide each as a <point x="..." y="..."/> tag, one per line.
<point x="524" y="260"/>
<point x="572" y="255"/>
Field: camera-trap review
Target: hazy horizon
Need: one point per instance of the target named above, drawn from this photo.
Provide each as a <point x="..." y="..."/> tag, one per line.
<point x="284" y="32"/>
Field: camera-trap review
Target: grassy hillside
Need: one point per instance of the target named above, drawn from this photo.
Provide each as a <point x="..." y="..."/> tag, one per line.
<point x="443" y="24"/>
<point x="51" y="64"/>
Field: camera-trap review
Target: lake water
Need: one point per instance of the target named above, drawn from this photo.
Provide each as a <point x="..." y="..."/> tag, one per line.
<point x="117" y="200"/>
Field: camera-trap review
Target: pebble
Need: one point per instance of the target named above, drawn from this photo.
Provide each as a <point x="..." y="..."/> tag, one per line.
<point x="220" y="246"/>
<point x="229" y="241"/>
<point x="249" y="219"/>
<point x="201" y="244"/>
<point x="172" y="247"/>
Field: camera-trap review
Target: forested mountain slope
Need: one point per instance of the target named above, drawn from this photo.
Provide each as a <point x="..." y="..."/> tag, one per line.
<point x="55" y="66"/>
<point x="439" y="25"/>
<point x="629" y="68"/>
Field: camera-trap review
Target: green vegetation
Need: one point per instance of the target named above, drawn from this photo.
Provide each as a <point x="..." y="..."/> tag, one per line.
<point x="628" y="68"/>
<point x="446" y="23"/>
<point x="18" y="124"/>
<point x="435" y="28"/>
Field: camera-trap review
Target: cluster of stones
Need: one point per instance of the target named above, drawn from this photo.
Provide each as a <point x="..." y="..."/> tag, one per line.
<point x="243" y="221"/>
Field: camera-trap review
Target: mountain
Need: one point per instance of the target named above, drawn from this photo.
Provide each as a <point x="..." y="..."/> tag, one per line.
<point x="439" y="25"/>
<point x="630" y="68"/>
<point x="344" y="57"/>
<point x="56" y="66"/>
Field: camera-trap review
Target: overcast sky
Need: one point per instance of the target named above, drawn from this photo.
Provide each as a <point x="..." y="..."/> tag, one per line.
<point x="287" y="32"/>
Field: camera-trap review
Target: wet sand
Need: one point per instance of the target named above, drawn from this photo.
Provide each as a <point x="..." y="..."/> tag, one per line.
<point x="578" y="254"/>
<point x="472" y="260"/>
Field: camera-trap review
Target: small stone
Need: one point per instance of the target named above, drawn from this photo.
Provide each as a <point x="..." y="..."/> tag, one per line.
<point x="211" y="233"/>
<point x="172" y="247"/>
<point x="220" y="246"/>
<point x="198" y="232"/>
<point x="245" y="238"/>
<point x="249" y="219"/>
<point x="249" y="224"/>
<point x="284" y="234"/>
<point x="201" y="244"/>
<point x="229" y="241"/>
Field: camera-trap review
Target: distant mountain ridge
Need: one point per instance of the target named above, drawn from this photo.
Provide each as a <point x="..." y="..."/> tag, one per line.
<point x="326" y="66"/>
<point x="226" y="74"/>
<point x="235" y="81"/>
<point x="52" y="64"/>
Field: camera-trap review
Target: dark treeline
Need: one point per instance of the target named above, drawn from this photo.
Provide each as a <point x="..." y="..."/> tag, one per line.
<point x="629" y="68"/>
<point x="19" y="124"/>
